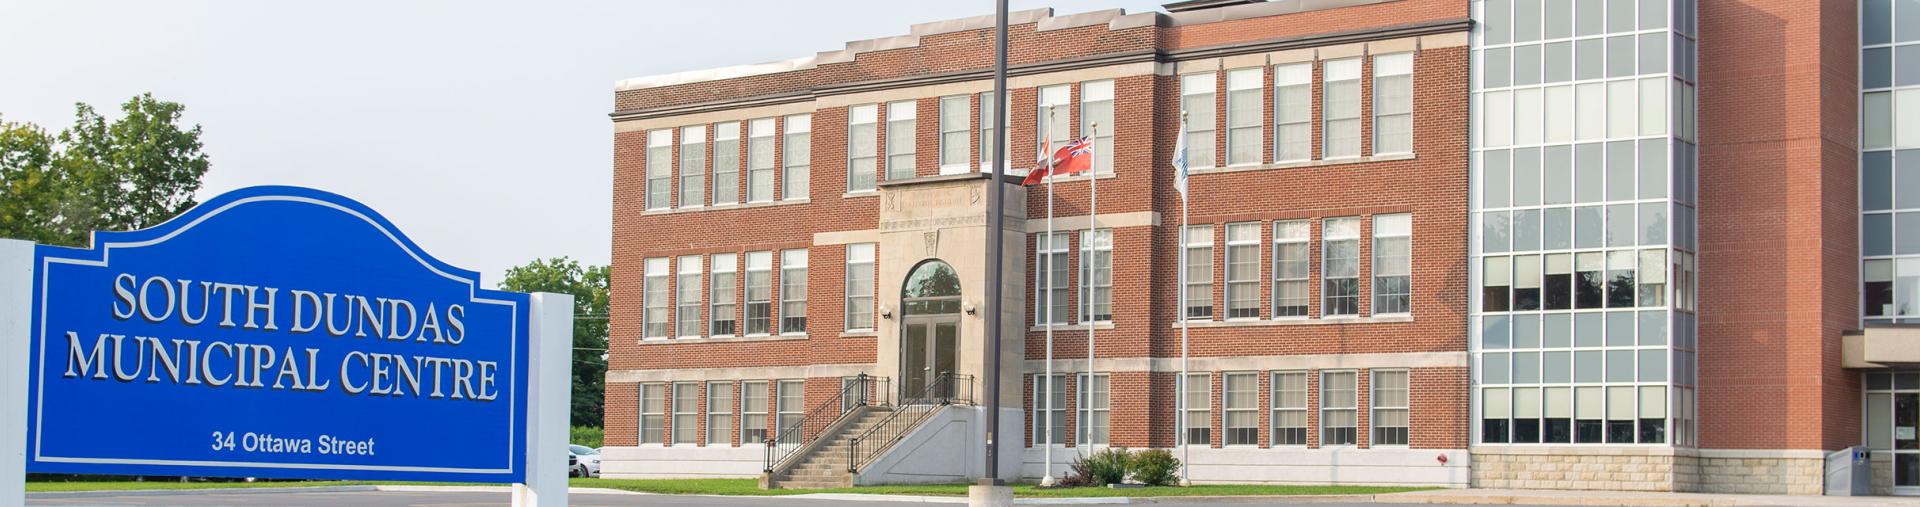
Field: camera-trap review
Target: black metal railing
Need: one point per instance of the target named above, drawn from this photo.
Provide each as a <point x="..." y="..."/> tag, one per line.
<point x="908" y="413"/>
<point x="790" y="438"/>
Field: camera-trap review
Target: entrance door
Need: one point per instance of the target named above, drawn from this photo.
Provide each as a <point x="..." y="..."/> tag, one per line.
<point x="929" y="328"/>
<point x="1892" y="417"/>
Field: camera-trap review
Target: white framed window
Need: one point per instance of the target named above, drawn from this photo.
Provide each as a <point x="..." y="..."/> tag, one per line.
<point x="1198" y="414"/>
<point x="687" y="296"/>
<point x="1293" y="112"/>
<point x="793" y="291"/>
<point x="1393" y="103"/>
<point x="860" y="289"/>
<point x="753" y="412"/>
<point x="1050" y="289"/>
<point x="1196" y="102"/>
<point x="789" y="407"/>
<point x="1290" y="408"/>
<point x="1094" y="404"/>
<point x="1340" y="272"/>
<point x="1244" y="122"/>
<point x="760" y="160"/>
<point x="1243" y="270"/>
<point x="659" y="169"/>
<point x="1291" y="267"/>
<point x="1049" y="417"/>
<point x="726" y="163"/>
<point x="1240" y="395"/>
<point x="653" y="320"/>
<point x="1197" y="296"/>
<point x="862" y="147"/>
<point x="1392" y="264"/>
<point x="719" y="413"/>
<point x="759" y="292"/>
<point x="693" y="166"/>
<point x="1096" y="250"/>
<point x="1338" y="402"/>
<point x="1055" y="119"/>
<point x="953" y="134"/>
<point x="1342" y="96"/>
<point x="900" y="139"/>
<point x="1096" y="121"/>
<point x="987" y="128"/>
<point x="686" y="413"/>
<point x="725" y="311"/>
<point x="653" y="413"/>
<point x="797" y="166"/>
<point x="1389" y="400"/>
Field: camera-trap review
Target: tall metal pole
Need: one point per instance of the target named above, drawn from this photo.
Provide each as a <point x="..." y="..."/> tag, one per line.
<point x="1046" y="474"/>
<point x="996" y="227"/>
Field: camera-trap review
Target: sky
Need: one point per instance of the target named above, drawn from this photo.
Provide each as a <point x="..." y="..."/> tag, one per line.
<point x="479" y="128"/>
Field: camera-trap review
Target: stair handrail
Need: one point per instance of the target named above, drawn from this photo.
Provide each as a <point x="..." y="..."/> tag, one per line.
<point x="787" y="442"/>
<point x="906" y="415"/>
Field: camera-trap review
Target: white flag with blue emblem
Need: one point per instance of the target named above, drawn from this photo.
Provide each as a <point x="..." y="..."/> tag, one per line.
<point x="1180" y="160"/>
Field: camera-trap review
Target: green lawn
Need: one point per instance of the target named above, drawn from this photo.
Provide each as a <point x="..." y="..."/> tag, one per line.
<point x="750" y="487"/>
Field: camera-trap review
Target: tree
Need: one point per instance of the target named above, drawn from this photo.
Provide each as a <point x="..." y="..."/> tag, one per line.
<point x="130" y="173"/>
<point x="591" y="292"/>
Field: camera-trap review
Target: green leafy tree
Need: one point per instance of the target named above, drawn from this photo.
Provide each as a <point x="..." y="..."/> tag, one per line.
<point x="590" y="290"/>
<point x="124" y="174"/>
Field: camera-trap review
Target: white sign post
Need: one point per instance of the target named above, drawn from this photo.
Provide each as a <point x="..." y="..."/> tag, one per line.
<point x="550" y="404"/>
<point x="16" y="306"/>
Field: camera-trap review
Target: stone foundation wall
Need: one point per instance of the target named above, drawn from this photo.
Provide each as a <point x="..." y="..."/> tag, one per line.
<point x="1766" y="472"/>
<point x="1776" y="472"/>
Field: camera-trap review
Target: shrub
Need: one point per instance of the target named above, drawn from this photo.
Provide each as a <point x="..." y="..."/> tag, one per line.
<point x="1076" y="475"/>
<point x="1155" y="467"/>
<point x="1108" y="466"/>
<point x="585" y="435"/>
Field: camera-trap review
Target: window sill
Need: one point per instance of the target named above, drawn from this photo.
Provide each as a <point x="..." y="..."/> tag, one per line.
<point x="1296" y="164"/>
<point x="860" y="193"/>
<point x="724" y="339"/>
<point x="1079" y="177"/>
<point x="864" y="333"/>
<point x="1296" y="321"/>
<point x="721" y="207"/>
<point x="1071" y="327"/>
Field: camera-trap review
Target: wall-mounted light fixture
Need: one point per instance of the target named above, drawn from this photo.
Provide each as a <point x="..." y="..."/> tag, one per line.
<point x="968" y="307"/>
<point x="886" y="313"/>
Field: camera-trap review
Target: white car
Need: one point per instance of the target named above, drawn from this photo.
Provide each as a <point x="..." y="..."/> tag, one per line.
<point x="586" y="461"/>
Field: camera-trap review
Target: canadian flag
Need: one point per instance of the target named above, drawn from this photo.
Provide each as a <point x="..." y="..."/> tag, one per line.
<point x="1073" y="158"/>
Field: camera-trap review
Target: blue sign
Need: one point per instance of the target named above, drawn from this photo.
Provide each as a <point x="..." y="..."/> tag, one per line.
<point x="274" y="332"/>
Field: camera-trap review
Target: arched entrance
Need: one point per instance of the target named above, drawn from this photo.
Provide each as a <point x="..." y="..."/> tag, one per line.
<point x="929" y="326"/>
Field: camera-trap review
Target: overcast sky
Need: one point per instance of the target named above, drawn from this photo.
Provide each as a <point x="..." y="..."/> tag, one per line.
<point x="479" y="128"/>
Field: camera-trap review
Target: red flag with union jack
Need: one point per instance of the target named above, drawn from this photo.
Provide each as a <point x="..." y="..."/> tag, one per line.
<point x="1073" y="158"/>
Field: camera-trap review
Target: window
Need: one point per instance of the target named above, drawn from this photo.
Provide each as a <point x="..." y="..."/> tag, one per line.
<point x="719" y="413"/>
<point x="1653" y="277"/>
<point x="659" y="169"/>
<point x="760" y="160"/>
<point x="1199" y="411"/>
<point x="1340" y="248"/>
<point x="1243" y="271"/>
<point x="1196" y="104"/>
<point x="1241" y="396"/>
<point x="1049" y="409"/>
<point x="1243" y="116"/>
<point x="953" y="134"/>
<point x="1290" y="268"/>
<point x="1056" y="119"/>
<point x="1290" y="408"/>
<point x="687" y="296"/>
<point x="1093" y="393"/>
<point x="1342" y="96"/>
<point x="726" y="163"/>
<point x="860" y="287"/>
<point x="987" y="128"/>
<point x="653" y="321"/>
<point x="653" y="410"/>
<point x="1050" y="259"/>
<point x="900" y="139"/>
<point x="793" y="291"/>
<point x="788" y="406"/>
<point x="1337" y="405"/>
<point x="1198" y="296"/>
<point x="1096" y="250"/>
<point x="1096" y="121"/>
<point x="1292" y="112"/>
<point x="753" y="412"/>
<point x="1393" y="103"/>
<point x="686" y="413"/>
<point x="1392" y="263"/>
<point x="759" y="292"/>
<point x="1389" y="407"/>
<point x="1496" y="283"/>
<point x="693" y="166"/>
<point x="726" y="300"/>
<point x="798" y="157"/>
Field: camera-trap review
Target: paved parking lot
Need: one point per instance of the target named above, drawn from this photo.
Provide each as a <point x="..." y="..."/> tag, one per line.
<point x="462" y="499"/>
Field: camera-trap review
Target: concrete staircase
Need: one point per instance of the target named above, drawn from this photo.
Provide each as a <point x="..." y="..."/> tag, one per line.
<point x="823" y="464"/>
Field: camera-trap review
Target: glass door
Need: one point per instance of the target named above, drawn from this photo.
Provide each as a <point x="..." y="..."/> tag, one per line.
<point x="1892" y="419"/>
<point x="928" y="352"/>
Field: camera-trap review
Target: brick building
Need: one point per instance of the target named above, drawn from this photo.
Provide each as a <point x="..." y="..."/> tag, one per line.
<point x="1430" y="242"/>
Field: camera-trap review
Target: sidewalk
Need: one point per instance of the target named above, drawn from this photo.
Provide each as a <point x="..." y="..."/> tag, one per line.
<point x="1646" y="499"/>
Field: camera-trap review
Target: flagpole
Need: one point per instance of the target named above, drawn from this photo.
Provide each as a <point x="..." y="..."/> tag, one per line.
<point x="1092" y="240"/>
<point x="1046" y="479"/>
<point x="1186" y="447"/>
